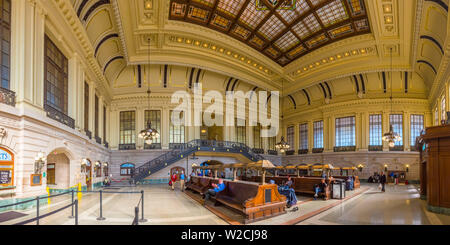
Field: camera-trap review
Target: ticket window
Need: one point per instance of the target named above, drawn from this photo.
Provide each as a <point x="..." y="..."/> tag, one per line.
<point x="6" y="168"/>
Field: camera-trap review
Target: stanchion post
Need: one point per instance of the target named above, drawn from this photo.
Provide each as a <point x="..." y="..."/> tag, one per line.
<point x="136" y="215"/>
<point x="37" y="210"/>
<point x="76" y="212"/>
<point x="142" y="207"/>
<point x="71" y="216"/>
<point x="101" y="209"/>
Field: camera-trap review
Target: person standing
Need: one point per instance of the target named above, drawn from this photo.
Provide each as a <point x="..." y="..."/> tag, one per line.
<point x="182" y="179"/>
<point x="383" y="181"/>
<point x="173" y="179"/>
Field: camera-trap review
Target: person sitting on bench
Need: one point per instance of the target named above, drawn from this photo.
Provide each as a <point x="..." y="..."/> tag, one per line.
<point x="289" y="192"/>
<point x="213" y="192"/>
<point x="319" y="188"/>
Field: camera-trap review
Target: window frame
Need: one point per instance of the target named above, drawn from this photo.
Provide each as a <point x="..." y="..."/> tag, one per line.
<point x="303" y="136"/>
<point x="290" y="136"/>
<point x="148" y="114"/>
<point x="132" y="130"/>
<point x="345" y="131"/>
<point x="177" y="134"/>
<point x="129" y="170"/>
<point x="5" y="26"/>
<point x="318" y="141"/>
<point x="61" y="75"/>
<point x="376" y="127"/>
<point x="396" y="130"/>
<point x="415" y="128"/>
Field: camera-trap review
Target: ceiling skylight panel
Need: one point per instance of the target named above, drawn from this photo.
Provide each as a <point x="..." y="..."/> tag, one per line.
<point x="301" y="30"/>
<point x="289" y="15"/>
<point x="332" y="13"/>
<point x="251" y="16"/>
<point x="311" y="23"/>
<point x="287" y="41"/>
<point x="272" y="27"/>
<point x="230" y="7"/>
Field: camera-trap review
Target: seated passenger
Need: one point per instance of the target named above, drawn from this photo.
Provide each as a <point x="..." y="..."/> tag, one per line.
<point x="288" y="182"/>
<point x="287" y="191"/>
<point x="213" y="192"/>
<point x="349" y="184"/>
<point x="320" y="188"/>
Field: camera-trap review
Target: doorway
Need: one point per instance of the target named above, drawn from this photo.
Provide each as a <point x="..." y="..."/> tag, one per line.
<point x="51" y="174"/>
<point x="88" y="175"/>
<point x="400" y="174"/>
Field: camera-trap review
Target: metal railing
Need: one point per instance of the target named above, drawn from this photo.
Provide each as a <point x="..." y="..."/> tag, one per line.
<point x="73" y="204"/>
<point x="127" y="147"/>
<point x="7" y="97"/>
<point x="59" y="116"/>
<point x="98" y="140"/>
<point x="183" y="150"/>
<point x="101" y="192"/>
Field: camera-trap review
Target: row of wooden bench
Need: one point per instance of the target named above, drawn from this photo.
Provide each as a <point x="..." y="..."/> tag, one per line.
<point x="254" y="201"/>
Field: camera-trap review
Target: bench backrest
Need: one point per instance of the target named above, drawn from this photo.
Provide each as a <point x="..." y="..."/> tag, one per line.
<point x="238" y="192"/>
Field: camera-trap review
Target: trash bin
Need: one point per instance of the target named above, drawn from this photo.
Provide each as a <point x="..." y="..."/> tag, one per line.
<point x="338" y="189"/>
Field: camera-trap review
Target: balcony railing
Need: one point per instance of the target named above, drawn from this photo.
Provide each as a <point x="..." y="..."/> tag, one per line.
<point x="98" y="140"/>
<point x="152" y="146"/>
<point x="317" y="150"/>
<point x="106" y="144"/>
<point x="375" y="148"/>
<point x="397" y="148"/>
<point x="127" y="147"/>
<point x="272" y="152"/>
<point x="59" y="116"/>
<point x="290" y="152"/>
<point x="258" y="151"/>
<point x="7" y="97"/>
<point x="175" y="145"/>
<point x="344" y="148"/>
<point x="302" y="151"/>
<point x="89" y="134"/>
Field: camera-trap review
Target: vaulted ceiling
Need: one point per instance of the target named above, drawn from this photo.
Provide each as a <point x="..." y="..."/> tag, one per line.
<point x="266" y="43"/>
<point x="282" y="30"/>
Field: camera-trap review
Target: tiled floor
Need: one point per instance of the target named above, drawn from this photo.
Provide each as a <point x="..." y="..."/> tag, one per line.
<point x="399" y="205"/>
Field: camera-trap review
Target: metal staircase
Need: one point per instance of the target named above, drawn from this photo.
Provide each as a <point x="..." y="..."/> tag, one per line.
<point x="181" y="151"/>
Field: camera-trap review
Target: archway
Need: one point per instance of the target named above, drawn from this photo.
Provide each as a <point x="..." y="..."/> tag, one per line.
<point x="88" y="173"/>
<point x="58" y="170"/>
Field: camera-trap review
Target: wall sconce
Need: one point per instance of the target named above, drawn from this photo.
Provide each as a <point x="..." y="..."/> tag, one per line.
<point x="97" y="163"/>
<point x="407" y="167"/>
<point x="39" y="162"/>
<point x="360" y="167"/>
<point x="385" y="167"/>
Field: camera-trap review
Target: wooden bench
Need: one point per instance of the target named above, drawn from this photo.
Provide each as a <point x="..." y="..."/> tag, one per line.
<point x="254" y="201"/>
<point x="199" y="184"/>
<point x="299" y="184"/>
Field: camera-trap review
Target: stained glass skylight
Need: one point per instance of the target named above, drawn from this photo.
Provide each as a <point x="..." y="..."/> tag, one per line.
<point x="283" y="31"/>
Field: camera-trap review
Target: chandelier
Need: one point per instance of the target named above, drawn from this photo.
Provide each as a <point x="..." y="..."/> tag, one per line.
<point x="282" y="145"/>
<point x="391" y="137"/>
<point x="149" y="134"/>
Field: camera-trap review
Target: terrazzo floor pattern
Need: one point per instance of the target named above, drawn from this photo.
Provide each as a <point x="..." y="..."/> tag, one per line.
<point x="399" y="205"/>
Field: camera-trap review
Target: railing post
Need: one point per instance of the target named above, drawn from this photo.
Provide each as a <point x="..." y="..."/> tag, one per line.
<point x="37" y="210"/>
<point x="101" y="209"/>
<point x="142" y="207"/>
<point x="76" y="212"/>
<point x="71" y="216"/>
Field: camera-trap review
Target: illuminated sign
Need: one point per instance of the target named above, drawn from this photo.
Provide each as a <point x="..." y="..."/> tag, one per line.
<point x="5" y="156"/>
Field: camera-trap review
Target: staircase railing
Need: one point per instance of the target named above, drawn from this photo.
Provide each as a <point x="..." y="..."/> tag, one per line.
<point x="183" y="150"/>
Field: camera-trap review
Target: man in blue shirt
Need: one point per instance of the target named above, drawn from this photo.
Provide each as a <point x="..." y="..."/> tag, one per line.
<point x="182" y="178"/>
<point x="213" y="192"/>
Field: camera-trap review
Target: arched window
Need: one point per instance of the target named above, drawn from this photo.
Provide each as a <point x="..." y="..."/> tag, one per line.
<point x="126" y="169"/>
<point x="6" y="169"/>
<point x="5" y="44"/>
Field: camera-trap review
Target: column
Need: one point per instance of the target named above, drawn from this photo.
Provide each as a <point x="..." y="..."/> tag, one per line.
<point x="165" y="117"/>
<point x="72" y="87"/>
<point x="358" y="131"/>
<point x="364" y="131"/>
<point x="39" y="33"/>
<point x="310" y="136"/>
<point x="385" y="126"/>
<point x="296" y="137"/>
<point x="140" y="125"/>
<point x="79" y="120"/>
<point x="92" y="108"/>
<point x="406" y="131"/>
<point x="326" y="134"/>
<point x="114" y="120"/>
<point x="100" y="118"/>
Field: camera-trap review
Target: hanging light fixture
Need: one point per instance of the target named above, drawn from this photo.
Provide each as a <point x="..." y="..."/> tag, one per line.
<point x="149" y="134"/>
<point x="282" y="145"/>
<point x="391" y="137"/>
